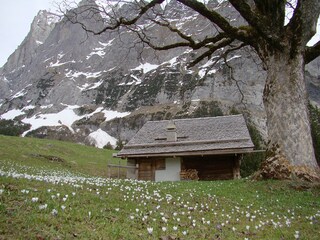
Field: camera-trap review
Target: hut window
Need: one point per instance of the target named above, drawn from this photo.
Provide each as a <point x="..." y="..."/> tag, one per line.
<point x="160" y="164"/>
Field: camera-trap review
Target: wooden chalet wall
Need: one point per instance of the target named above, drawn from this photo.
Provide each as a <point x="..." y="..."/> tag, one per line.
<point x="214" y="167"/>
<point x="148" y="166"/>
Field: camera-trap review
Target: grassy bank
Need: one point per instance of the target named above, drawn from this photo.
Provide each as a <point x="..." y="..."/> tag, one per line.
<point x="44" y="200"/>
<point x="56" y="155"/>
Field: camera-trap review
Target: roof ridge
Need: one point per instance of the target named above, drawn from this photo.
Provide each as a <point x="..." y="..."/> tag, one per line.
<point x="182" y="143"/>
<point x="199" y="118"/>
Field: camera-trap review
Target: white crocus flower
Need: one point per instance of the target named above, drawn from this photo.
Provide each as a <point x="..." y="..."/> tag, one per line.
<point x="44" y="206"/>
<point x="150" y="230"/>
<point x="54" y="212"/>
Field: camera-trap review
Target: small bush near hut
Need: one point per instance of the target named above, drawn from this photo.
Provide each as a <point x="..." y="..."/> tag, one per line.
<point x="315" y="130"/>
<point x="108" y="146"/>
<point x="251" y="162"/>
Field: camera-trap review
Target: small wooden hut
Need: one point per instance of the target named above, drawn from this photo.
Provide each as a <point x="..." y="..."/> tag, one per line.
<point x="199" y="148"/>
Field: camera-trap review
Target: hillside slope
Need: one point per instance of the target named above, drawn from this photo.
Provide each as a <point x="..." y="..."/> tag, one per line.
<point x="54" y="155"/>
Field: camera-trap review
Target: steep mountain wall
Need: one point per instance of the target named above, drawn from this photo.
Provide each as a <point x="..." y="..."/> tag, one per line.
<point x="59" y="66"/>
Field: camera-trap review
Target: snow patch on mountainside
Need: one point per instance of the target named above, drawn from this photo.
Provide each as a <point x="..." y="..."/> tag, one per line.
<point x="58" y="63"/>
<point x="97" y="51"/>
<point x="135" y="81"/>
<point x="100" y="138"/>
<point x="66" y="117"/>
<point x="21" y="93"/>
<point x="74" y="74"/>
<point x="146" y="67"/>
<point x="100" y="51"/>
<point x="10" y="115"/>
<point x="109" y="115"/>
<point x="87" y="86"/>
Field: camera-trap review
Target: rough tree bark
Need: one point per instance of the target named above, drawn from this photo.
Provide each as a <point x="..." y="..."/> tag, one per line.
<point x="290" y="152"/>
<point x="282" y="48"/>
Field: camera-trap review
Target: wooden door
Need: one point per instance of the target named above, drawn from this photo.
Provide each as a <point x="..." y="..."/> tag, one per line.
<point x="146" y="170"/>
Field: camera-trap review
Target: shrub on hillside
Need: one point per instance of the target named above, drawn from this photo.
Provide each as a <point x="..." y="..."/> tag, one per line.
<point x="108" y="146"/>
<point x="13" y="127"/>
<point x="251" y="162"/>
<point x="315" y="130"/>
<point x="119" y="145"/>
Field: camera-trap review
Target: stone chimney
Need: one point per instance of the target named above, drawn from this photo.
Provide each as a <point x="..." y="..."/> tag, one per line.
<point x="171" y="132"/>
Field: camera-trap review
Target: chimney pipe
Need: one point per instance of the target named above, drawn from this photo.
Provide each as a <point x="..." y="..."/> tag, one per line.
<point x="171" y="132"/>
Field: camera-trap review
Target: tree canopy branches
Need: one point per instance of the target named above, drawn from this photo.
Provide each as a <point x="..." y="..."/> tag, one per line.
<point x="73" y="14"/>
<point x="304" y="20"/>
<point x="264" y="29"/>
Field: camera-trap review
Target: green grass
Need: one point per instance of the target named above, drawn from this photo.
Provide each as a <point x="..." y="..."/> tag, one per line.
<point x="35" y="152"/>
<point x="42" y="201"/>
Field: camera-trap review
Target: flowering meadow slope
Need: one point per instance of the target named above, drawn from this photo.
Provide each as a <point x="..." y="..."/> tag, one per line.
<point x="42" y="203"/>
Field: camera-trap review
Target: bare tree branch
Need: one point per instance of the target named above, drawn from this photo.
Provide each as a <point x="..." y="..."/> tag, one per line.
<point x="145" y="39"/>
<point x="175" y="30"/>
<point x="312" y="53"/>
<point x="261" y="33"/>
<point x="257" y="21"/>
<point x="262" y="21"/>
<point x="304" y="21"/>
<point x="118" y="22"/>
<point x="224" y="55"/>
<point x="225" y="42"/>
<point x="221" y="22"/>
<point x="213" y="43"/>
<point x="235" y="81"/>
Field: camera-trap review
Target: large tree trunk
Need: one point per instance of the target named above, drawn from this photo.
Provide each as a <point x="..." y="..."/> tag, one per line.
<point x="290" y="152"/>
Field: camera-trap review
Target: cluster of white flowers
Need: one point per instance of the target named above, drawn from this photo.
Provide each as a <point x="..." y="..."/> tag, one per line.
<point x="54" y="212"/>
<point x="158" y="210"/>
<point x="44" y="206"/>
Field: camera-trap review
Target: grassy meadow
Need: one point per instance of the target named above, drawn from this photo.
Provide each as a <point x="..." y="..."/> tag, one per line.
<point x="56" y="155"/>
<point x="58" y="190"/>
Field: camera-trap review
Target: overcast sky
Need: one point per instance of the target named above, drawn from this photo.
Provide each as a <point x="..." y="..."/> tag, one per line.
<point x="15" y="20"/>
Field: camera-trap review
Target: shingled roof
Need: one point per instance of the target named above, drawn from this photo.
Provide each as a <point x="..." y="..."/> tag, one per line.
<point x="195" y="136"/>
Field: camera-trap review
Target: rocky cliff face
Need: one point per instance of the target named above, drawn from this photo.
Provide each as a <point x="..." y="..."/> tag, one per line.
<point x="59" y="67"/>
<point x="17" y="66"/>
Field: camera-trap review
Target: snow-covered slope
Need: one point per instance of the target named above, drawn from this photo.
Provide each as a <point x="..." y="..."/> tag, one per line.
<point x="66" y="117"/>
